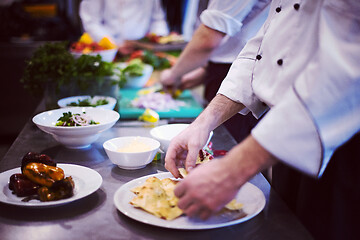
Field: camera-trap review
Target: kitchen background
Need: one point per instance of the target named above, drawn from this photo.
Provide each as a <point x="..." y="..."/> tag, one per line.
<point x="26" y="24"/>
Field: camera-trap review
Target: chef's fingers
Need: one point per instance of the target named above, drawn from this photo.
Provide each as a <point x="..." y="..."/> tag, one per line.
<point x="204" y="213"/>
<point x="170" y="161"/>
<point x="197" y="211"/>
<point x="191" y="158"/>
<point x="179" y="192"/>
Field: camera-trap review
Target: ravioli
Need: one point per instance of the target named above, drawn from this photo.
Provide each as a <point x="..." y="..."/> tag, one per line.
<point x="157" y="197"/>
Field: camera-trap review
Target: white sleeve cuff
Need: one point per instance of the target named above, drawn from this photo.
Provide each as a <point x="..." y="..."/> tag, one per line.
<point x="237" y="87"/>
<point x="288" y="132"/>
<point x="221" y="22"/>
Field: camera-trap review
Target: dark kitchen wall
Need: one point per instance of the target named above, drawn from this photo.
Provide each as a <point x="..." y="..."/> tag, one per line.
<point x="24" y="25"/>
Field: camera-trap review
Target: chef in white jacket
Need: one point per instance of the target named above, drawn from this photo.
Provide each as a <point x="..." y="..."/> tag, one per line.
<point x="303" y="69"/>
<point x="122" y="19"/>
<point x="225" y="27"/>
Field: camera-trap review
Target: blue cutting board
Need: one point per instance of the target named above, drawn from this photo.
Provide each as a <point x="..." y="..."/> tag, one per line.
<point x="127" y="111"/>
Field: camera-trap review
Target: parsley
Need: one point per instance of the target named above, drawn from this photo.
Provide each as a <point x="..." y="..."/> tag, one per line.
<point x="52" y="62"/>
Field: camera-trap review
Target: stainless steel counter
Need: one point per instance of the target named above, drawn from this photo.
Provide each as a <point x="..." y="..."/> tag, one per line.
<point x="96" y="217"/>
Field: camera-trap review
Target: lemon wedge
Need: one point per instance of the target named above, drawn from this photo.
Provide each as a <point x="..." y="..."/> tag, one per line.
<point x="149" y="115"/>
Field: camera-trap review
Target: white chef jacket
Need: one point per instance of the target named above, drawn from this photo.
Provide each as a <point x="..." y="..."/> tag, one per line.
<point x="122" y="19"/>
<point x="304" y="64"/>
<point x="239" y="20"/>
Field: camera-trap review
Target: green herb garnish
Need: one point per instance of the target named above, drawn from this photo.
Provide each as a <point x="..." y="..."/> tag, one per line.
<point x="87" y="103"/>
<point x="70" y="120"/>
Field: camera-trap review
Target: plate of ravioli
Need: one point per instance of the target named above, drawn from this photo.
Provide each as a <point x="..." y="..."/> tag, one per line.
<point x="150" y="200"/>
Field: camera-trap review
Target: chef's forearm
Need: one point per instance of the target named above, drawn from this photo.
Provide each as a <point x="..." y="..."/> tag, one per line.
<point x="247" y="159"/>
<point x="218" y="111"/>
<point x="197" y="52"/>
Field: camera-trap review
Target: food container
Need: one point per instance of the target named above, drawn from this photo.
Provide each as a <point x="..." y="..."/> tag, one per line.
<point x="131" y="152"/>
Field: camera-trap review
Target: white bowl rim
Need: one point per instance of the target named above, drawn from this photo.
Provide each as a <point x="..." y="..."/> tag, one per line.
<point x="109" y="98"/>
<point x="74" y="127"/>
<point x="166" y="126"/>
<point x="132" y="137"/>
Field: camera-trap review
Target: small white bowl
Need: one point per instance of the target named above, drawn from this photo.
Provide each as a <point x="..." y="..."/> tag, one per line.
<point x="131" y="160"/>
<point x="165" y="133"/>
<point x="106" y="55"/>
<point x="137" y="81"/>
<point x="80" y="136"/>
<point x="63" y="103"/>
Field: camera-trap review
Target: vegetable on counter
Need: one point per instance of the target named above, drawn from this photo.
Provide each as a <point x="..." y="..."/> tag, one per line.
<point x="87" y="45"/>
<point x="41" y="181"/>
<point x="135" y="67"/>
<point x="158" y="60"/>
<point x="53" y="63"/>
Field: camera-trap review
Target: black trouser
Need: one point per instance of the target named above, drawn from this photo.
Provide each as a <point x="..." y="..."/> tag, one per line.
<point x="330" y="206"/>
<point x="239" y="125"/>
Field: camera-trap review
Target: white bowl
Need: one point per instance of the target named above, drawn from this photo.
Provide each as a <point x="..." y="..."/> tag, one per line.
<point x="131" y="159"/>
<point x="63" y="103"/>
<point x="80" y="136"/>
<point x="106" y="55"/>
<point x="138" y="81"/>
<point x="165" y="133"/>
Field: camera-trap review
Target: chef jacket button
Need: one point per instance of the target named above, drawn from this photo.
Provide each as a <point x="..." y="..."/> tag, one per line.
<point x="258" y="57"/>
<point x="280" y="62"/>
<point x="278" y="9"/>
<point x="296" y="6"/>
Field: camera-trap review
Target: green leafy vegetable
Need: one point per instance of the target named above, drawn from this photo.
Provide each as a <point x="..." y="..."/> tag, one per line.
<point x="134" y="68"/>
<point x="87" y="103"/>
<point x="52" y="62"/>
<point x="159" y="63"/>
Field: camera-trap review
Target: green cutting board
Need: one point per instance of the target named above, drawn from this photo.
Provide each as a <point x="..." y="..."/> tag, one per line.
<point x="191" y="110"/>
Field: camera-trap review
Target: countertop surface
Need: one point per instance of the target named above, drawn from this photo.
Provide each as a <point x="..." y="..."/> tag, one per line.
<point x="96" y="216"/>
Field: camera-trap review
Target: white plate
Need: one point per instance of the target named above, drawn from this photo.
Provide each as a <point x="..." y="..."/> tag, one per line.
<point x="63" y="103"/>
<point x="86" y="182"/>
<point x="250" y="195"/>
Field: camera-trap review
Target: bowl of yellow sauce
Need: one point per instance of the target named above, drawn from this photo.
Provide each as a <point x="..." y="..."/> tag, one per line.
<point x="133" y="152"/>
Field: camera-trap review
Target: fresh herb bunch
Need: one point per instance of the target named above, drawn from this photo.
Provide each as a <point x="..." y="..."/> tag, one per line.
<point x="88" y="68"/>
<point x="52" y="62"/>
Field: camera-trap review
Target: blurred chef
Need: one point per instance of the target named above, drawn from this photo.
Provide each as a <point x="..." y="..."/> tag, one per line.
<point x="122" y="19"/>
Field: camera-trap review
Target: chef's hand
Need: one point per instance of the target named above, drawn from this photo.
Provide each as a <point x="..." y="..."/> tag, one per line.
<point x="209" y="187"/>
<point x="193" y="78"/>
<point x="206" y="190"/>
<point x="184" y="149"/>
<point x="168" y="79"/>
